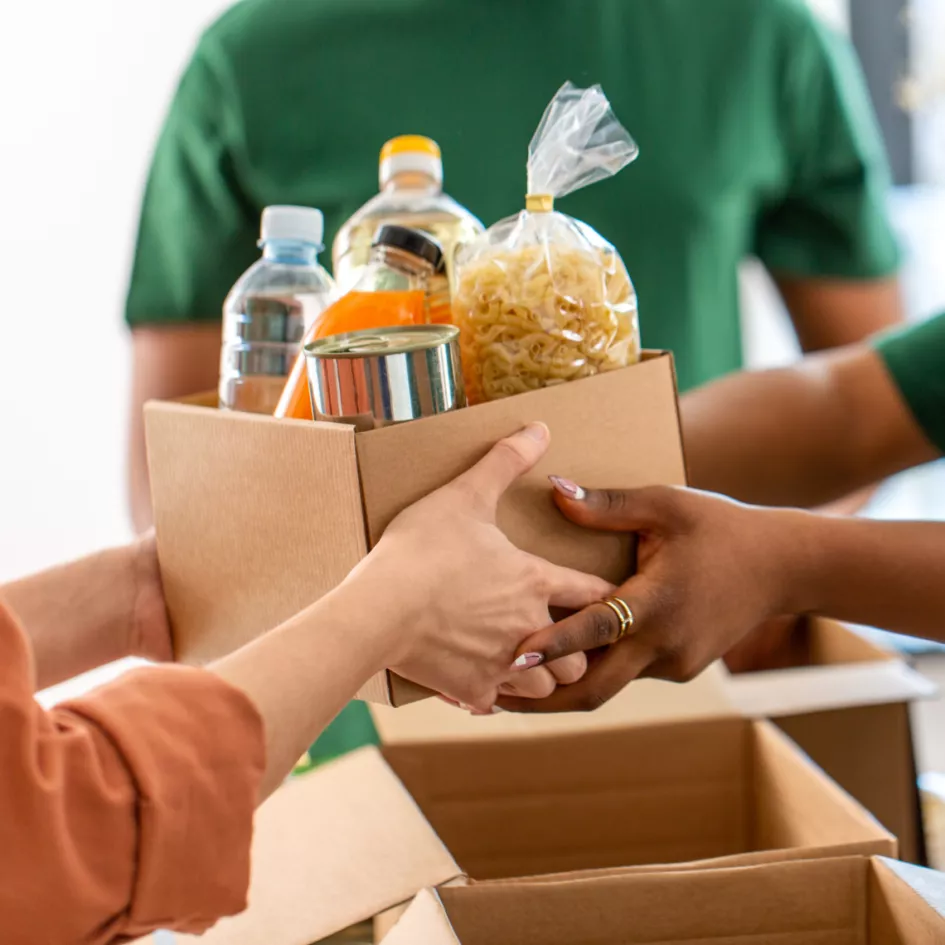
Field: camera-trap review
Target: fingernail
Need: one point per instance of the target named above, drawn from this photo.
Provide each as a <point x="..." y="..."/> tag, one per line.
<point x="496" y="710"/>
<point x="570" y="490"/>
<point x="528" y="661"/>
<point x="537" y="431"/>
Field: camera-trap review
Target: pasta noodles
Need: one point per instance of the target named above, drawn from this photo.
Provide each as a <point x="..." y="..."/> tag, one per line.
<point x="543" y="314"/>
<point x="541" y="298"/>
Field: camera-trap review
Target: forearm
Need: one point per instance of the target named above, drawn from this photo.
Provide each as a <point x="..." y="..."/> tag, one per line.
<point x="80" y="615"/>
<point x="884" y="574"/>
<point x="769" y="438"/>
<point x="802" y="436"/>
<point x="303" y="673"/>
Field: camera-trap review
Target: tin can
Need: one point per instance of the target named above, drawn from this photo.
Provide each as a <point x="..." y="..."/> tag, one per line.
<point x="383" y="376"/>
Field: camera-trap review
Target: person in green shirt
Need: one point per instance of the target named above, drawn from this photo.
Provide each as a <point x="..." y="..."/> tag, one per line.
<point x="755" y="129"/>
<point x="711" y="570"/>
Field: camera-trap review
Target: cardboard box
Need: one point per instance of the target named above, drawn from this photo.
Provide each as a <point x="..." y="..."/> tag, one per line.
<point x="365" y="833"/>
<point x="256" y="517"/>
<point x="848" y="901"/>
<point x="848" y="708"/>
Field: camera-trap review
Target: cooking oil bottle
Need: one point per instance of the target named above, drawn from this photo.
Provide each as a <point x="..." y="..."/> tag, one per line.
<point x="411" y="182"/>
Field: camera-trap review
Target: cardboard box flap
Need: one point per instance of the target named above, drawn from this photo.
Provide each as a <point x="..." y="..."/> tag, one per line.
<point x="848" y="901"/>
<point x="830" y="642"/>
<point x="641" y="703"/>
<point x="792" y="809"/>
<point x="784" y="692"/>
<point x="791" y="903"/>
<point x="331" y="849"/>
<point x="636" y="450"/>
<point x="425" y="921"/>
<point x="227" y="484"/>
<point x="928" y="885"/>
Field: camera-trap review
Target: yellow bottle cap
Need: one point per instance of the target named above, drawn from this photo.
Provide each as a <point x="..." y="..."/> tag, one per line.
<point x="410" y="144"/>
<point x="410" y="153"/>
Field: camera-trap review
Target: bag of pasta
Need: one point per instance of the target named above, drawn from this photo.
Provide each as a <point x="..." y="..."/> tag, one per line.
<point x="541" y="298"/>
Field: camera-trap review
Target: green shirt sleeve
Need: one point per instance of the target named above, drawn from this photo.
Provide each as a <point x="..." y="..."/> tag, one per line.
<point x="831" y="219"/>
<point x="915" y="357"/>
<point x="198" y="230"/>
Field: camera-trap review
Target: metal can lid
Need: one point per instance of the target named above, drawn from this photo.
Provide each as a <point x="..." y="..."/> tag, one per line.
<point x="375" y="342"/>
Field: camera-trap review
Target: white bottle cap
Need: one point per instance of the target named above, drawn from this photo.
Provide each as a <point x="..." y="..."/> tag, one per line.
<point x="293" y="223"/>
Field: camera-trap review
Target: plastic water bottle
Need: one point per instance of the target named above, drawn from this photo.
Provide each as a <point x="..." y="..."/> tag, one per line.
<point x="269" y="309"/>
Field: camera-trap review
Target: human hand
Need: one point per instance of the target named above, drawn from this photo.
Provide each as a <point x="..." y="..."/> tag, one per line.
<point x="150" y="629"/>
<point x="709" y="571"/>
<point x="465" y="596"/>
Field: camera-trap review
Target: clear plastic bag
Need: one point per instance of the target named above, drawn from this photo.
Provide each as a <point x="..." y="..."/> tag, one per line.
<point x="542" y="298"/>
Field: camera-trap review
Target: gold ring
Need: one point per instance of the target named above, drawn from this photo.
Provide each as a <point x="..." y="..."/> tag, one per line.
<point x="624" y="614"/>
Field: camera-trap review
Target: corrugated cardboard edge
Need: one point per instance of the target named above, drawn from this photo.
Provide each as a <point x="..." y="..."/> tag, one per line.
<point x="908" y="902"/>
<point x="779" y="693"/>
<point x="425" y="922"/>
<point x="928" y="885"/>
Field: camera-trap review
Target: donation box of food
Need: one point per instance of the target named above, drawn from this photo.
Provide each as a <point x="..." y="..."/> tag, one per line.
<point x="258" y="517"/>
<point x="363" y="834"/>
<point x="844" y="901"/>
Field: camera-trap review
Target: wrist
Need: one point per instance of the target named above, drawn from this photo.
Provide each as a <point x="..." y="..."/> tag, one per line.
<point x="377" y="621"/>
<point x="796" y="548"/>
<point x="150" y="625"/>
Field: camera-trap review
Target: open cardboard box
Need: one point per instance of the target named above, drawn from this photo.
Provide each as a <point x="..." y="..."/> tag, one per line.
<point x="257" y="517"/>
<point x="364" y="834"/>
<point x="848" y="709"/>
<point x="844" y="901"/>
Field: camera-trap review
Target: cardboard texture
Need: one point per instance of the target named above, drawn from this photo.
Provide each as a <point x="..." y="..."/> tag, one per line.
<point x="848" y="708"/>
<point x="849" y="901"/>
<point x="256" y="517"/>
<point x="350" y="840"/>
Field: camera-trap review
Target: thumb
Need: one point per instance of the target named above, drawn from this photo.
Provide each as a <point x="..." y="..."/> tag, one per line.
<point x="505" y="462"/>
<point x="616" y="510"/>
<point x="596" y="626"/>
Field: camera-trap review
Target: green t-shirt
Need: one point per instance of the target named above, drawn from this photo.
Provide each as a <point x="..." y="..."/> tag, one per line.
<point x="755" y="130"/>
<point x="915" y="357"/>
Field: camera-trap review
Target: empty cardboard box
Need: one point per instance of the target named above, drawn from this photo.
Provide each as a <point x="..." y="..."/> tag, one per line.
<point x="365" y="833"/>
<point x="848" y="708"/>
<point x="846" y="901"/>
<point x="257" y="518"/>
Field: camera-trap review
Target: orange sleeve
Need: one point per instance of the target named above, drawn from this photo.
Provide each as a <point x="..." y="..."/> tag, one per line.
<point x="124" y="811"/>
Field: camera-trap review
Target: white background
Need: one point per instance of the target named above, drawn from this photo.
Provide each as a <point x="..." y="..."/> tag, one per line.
<point x="83" y="87"/>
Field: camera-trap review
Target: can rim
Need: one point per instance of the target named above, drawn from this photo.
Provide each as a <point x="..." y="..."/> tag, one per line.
<point x="381" y="342"/>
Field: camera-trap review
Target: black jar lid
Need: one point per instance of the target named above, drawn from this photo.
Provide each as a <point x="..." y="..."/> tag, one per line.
<point x="410" y="241"/>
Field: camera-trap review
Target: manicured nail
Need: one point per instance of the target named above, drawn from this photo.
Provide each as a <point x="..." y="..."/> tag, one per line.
<point x="496" y="710"/>
<point x="570" y="490"/>
<point x="537" y="431"/>
<point x="528" y="661"/>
